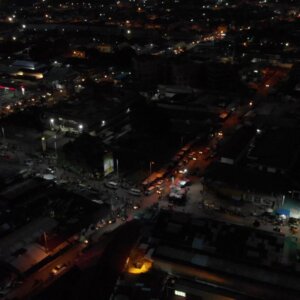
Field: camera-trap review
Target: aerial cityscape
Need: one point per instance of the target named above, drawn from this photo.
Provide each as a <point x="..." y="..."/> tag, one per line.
<point x="149" y="150"/>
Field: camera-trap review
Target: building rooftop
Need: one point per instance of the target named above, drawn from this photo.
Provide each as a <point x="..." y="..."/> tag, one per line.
<point x="248" y="179"/>
<point x="276" y="148"/>
<point x="236" y="144"/>
<point x="91" y="109"/>
<point x="189" y="245"/>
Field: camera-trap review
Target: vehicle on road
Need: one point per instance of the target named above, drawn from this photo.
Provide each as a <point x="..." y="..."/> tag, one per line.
<point x="125" y="185"/>
<point x="112" y="185"/>
<point x="51" y="171"/>
<point x="136" y="206"/>
<point x="135" y="192"/>
<point x="58" y="269"/>
<point x="112" y="220"/>
<point x="29" y="162"/>
<point x="159" y="182"/>
<point x="150" y="190"/>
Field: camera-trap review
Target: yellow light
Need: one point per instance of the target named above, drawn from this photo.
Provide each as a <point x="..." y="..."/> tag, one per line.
<point x="143" y="269"/>
<point x="39" y="76"/>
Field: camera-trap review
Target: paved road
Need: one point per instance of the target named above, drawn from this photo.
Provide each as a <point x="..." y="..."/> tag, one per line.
<point x="97" y="281"/>
<point x="42" y="278"/>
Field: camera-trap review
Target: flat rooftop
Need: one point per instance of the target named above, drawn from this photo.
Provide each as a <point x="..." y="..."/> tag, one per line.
<point x="240" y="139"/>
<point x="91" y="109"/>
<point x="189" y="245"/>
<point x="277" y="148"/>
<point x="247" y="179"/>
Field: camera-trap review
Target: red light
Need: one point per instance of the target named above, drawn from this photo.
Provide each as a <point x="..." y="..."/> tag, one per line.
<point x="7" y="88"/>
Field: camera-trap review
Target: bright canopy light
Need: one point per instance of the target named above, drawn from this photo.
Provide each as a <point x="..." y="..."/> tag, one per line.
<point x="180" y="293"/>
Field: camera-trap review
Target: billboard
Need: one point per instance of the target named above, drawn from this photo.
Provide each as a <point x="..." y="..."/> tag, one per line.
<point x="108" y="163"/>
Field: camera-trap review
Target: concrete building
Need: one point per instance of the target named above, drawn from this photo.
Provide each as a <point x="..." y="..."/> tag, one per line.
<point x="234" y="261"/>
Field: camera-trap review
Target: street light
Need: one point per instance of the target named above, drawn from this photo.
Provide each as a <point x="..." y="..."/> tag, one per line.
<point x="46" y="241"/>
<point x="3" y="133"/>
<point x="80" y="127"/>
<point x="43" y="140"/>
<point x="117" y="165"/>
<point x="51" y="122"/>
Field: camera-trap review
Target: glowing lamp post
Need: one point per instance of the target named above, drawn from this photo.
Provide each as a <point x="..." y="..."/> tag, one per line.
<point x="80" y="128"/>
<point x="43" y="140"/>
<point x="51" y="121"/>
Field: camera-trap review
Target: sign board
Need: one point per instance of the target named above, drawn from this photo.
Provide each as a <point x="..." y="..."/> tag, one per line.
<point x="108" y="163"/>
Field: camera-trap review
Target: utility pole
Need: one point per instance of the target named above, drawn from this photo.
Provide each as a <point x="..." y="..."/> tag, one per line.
<point x="117" y="164"/>
<point x="46" y="242"/>
<point x="43" y="140"/>
<point x="3" y="134"/>
<point x="55" y="146"/>
<point x="150" y="167"/>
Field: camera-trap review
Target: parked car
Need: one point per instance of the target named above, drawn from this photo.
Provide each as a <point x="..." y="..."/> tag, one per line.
<point x="150" y="190"/>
